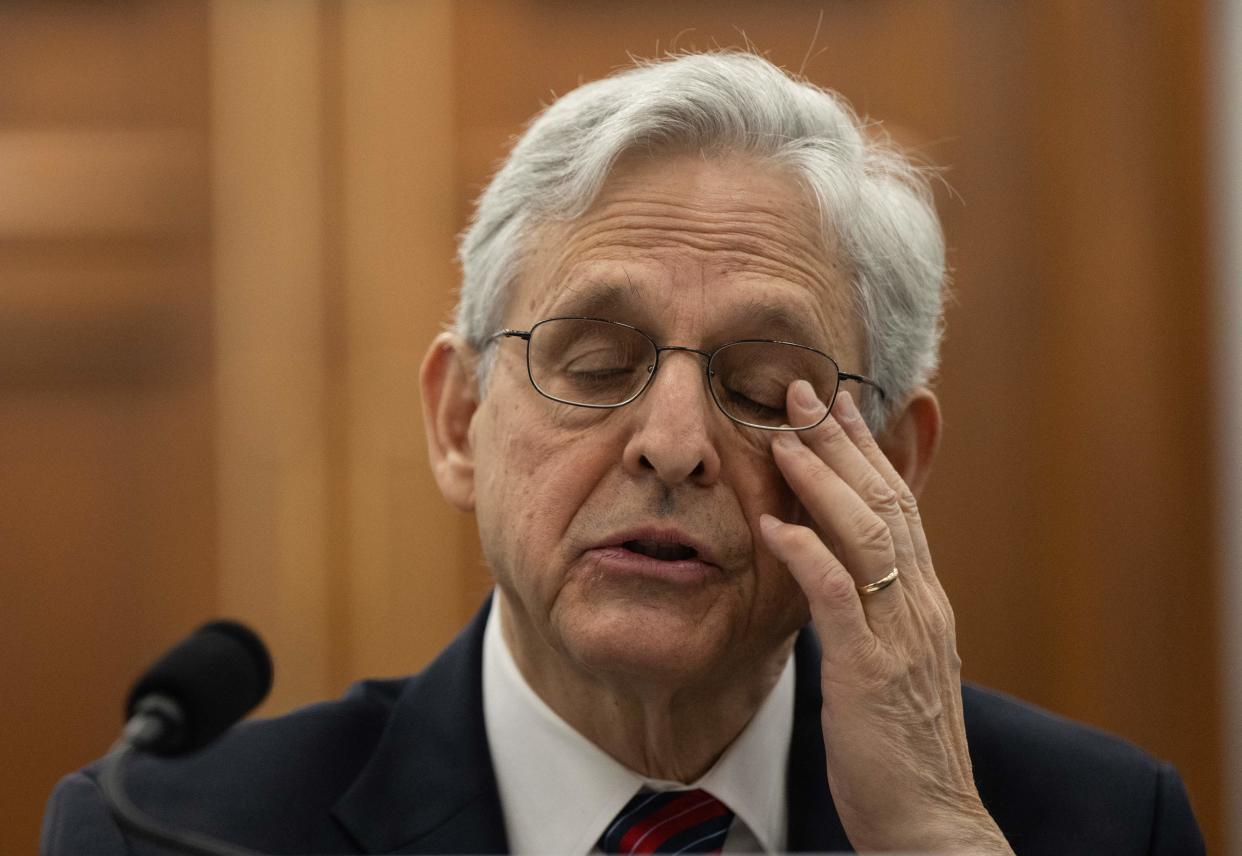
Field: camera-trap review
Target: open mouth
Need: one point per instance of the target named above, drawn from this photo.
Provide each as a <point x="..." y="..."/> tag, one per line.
<point x="661" y="550"/>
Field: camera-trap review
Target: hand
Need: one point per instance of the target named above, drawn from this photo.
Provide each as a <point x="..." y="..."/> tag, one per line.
<point x="898" y="764"/>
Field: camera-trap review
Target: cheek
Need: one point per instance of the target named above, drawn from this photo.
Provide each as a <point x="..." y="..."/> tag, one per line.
<point x="779" y="603"/>
<point x="759" y="485"/>
<point x="533" y="473"/>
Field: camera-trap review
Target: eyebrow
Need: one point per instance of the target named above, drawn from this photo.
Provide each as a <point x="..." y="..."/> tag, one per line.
<point x="599" y="298"/>
<point x="753" y="318"/>
<point x="778" y="321"/>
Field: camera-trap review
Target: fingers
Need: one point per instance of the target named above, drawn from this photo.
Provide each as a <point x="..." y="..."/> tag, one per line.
<point x="863" y="454"/>
<point x="921" y="569"/>
<point x="860" y="538"/>
<point x="864" y="510"/>
<point x="829" y="588"/>
<point x="850" y="419"/>
<point x="891" y="676"/>
<point x="847" y="498"/>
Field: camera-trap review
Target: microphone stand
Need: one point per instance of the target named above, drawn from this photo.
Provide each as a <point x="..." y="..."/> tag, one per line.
<point x="133" y="819"/>
<point x="168" y="716"/>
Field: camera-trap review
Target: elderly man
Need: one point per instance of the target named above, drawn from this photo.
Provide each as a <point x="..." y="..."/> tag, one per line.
<point x="686" y="397"/>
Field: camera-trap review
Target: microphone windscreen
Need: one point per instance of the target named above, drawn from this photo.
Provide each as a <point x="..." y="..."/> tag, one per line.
<point x="216" y="676"/>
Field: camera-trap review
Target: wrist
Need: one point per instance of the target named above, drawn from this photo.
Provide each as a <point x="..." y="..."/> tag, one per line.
<point x="974" y="833"/>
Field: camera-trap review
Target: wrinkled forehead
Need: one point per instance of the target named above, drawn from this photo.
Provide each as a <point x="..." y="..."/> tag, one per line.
<point x="714" y="248"/>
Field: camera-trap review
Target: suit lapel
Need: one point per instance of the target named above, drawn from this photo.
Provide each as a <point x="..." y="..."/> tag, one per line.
<point x="429" y="785"/>
<point x="813" y="822"/>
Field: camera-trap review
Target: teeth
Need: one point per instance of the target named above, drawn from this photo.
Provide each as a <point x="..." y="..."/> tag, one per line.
<point x="661" y="550"/>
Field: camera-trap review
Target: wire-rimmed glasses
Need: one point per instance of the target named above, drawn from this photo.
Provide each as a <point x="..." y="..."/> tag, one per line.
<point x="594" y="362"/>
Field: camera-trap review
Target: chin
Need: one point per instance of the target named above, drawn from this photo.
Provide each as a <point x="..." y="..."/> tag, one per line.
<point x="643" y="642"/>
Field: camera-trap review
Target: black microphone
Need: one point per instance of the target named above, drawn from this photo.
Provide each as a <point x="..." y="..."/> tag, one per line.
<point x="189" y="697"/>
<point x="198" y="689"/>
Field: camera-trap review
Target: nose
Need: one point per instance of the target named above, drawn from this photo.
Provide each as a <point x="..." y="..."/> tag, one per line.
<point x="674" y="436"/>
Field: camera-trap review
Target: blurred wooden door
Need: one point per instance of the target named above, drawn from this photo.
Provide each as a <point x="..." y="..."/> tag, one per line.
<point x="107" y="532"/>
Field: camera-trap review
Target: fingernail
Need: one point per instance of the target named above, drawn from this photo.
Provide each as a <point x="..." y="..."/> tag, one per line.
<point x="845" y="404"/>
<point x="786" y="439"/>
<point x="768" y="523"/>
<point x="805" y="395"/>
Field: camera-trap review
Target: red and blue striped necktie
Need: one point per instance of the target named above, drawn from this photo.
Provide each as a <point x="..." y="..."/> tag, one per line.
<point x="669" y="822"/>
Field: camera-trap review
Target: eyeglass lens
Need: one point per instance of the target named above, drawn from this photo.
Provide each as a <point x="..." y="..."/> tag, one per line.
<point x="601" y="364"/>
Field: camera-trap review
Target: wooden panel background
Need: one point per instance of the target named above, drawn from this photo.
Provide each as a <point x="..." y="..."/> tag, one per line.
<point x="226" y="234"/>
<point x="107" y="506"/>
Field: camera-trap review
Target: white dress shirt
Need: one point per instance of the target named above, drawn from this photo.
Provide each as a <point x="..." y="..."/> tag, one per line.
<point x="559" y="791"/>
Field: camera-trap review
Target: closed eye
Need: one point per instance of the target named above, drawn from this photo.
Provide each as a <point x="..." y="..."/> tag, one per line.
<point x="743" y="404"/>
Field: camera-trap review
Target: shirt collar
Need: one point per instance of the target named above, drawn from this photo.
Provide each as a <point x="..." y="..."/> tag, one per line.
<point x="559" y="791"/>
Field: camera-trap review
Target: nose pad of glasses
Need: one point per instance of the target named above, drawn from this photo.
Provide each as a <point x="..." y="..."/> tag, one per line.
<point x="685" y="396"/>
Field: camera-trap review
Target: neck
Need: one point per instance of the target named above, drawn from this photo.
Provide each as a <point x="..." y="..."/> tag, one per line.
<point x="669" y="730"/>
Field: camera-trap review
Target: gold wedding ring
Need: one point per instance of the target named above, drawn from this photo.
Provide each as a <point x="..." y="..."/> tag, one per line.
<point x="880" y="584"/>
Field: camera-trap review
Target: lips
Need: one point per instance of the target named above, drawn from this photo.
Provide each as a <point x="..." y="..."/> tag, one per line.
<point x="659" y="543"/>
<point x="663" y="550"/>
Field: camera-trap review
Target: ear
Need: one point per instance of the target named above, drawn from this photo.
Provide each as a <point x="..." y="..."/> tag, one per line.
<point x="450" y="399"/>
<point x="912" y="437"/>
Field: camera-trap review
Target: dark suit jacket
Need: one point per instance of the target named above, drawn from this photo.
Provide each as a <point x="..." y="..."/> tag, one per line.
<point x="402" y="766"/>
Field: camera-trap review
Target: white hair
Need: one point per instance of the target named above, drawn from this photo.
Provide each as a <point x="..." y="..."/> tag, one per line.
<point x="876" y="206"/>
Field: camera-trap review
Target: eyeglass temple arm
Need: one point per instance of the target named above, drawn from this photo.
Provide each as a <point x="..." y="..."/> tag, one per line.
<point x="519" y="334"/>
<point x="868" y="381"/>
